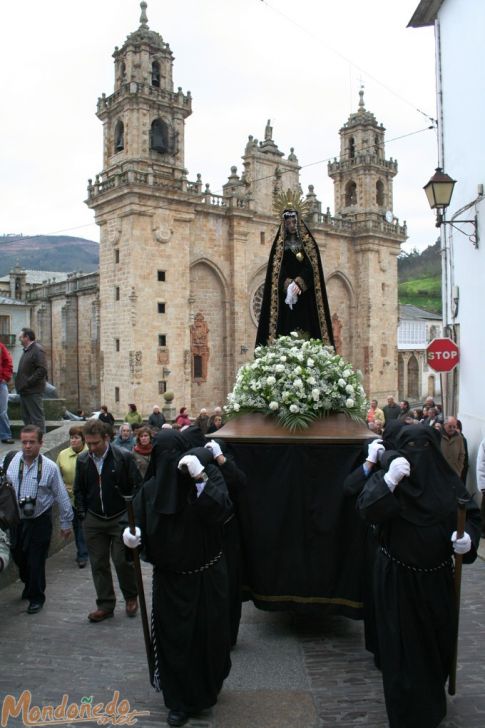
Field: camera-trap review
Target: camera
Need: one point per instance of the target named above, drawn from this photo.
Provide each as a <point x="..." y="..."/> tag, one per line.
<point x="27" y="506"/>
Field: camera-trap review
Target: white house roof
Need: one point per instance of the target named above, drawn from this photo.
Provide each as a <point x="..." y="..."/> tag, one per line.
<point x="413" y="313"/>
<point x="11" y="301"/>
<point x="425" y="13"/>
<point x="34" y="277"/>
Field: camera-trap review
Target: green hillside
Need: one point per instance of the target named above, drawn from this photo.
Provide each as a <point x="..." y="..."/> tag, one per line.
<point x="422" y="292"/>
<point x="48" y="252"/>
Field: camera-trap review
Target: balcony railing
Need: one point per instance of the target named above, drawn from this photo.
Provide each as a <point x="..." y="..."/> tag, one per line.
<point x="8" y="340"/>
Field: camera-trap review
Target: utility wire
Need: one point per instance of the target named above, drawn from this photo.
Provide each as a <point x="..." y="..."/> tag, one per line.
<point x="258" y="179"/>
<point x="348" y="60"/>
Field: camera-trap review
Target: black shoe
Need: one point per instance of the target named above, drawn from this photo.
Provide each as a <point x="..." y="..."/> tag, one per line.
<point x="177" y="717"/>
<point x="82" y="563"/>
<point x="9" y="441"/>
<point x="34" y="607"/>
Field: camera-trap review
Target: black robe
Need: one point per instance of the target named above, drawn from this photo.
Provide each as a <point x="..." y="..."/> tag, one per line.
<point x="311" y="313"/>
<point x="236" y="480"/>
<point x="414" y="595"/>
<point x="190" y="625"/>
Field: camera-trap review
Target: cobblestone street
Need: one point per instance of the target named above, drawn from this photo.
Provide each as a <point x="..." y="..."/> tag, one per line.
<point x="287" y="670"/>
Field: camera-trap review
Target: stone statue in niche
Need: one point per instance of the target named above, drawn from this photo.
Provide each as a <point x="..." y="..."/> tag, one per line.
<point x="199" y="349"/>
<point x="337" y="332"/>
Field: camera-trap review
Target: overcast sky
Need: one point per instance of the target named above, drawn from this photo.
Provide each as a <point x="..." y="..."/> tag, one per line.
<point x="299" y="64"/>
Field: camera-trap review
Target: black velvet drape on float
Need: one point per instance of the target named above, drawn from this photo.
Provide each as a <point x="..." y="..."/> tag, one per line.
<point x="302" y="539"/>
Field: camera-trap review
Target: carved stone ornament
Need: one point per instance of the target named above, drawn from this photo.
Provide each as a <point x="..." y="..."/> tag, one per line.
<point x="114" y="231"/>
<point x="161" y="228"/>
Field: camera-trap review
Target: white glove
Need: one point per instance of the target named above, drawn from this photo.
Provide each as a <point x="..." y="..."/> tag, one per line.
<point x="461" y="545"/>
<point x="132" y="540"/>
<point x="193" y="465"/>
<point x="376" y="448"/>
<point x="215" y="448"/>
<point x="398" y="469"/>
<point x="291" y="294"/>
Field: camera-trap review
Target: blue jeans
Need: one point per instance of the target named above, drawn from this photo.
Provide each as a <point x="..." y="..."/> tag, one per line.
<point x="5" y="432"/>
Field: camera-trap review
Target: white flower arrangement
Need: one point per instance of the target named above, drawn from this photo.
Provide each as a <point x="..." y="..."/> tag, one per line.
<point x="298" y="380"/>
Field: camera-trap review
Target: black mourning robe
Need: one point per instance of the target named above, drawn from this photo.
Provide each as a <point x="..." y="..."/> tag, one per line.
<point x="182" y="538"/>
<point x="414" y="595"/>
<point x="311" y="313"/>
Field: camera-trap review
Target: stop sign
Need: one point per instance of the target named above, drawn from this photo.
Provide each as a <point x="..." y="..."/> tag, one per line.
<point x="442" y="355"/>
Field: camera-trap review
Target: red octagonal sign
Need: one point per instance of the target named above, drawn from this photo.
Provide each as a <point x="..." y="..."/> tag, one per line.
<point x="442" y="355"/>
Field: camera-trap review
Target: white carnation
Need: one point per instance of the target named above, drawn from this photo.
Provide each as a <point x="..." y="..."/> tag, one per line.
<point x="310" y="362"/>
<point x="294" y="408"/>
<point x="349" y="389"/>
<point x="298" y="383"/>
<point x="280" y="368"/>
<point x="347" y="373"/>
<point x="270" y="381"/>
<point x="341" y="382"/>
<point x="236" y="407"/>
<point x="273" y="406"/>
<point x="349" y="403"/>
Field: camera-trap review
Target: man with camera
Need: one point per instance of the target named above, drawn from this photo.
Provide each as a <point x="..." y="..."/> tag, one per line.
<point x="38" y="484"/>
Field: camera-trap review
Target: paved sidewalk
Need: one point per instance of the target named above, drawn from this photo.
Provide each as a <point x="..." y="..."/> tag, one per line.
<point x="288" y="671"/>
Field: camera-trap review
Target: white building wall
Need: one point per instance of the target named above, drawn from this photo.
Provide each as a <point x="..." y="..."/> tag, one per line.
<point x="461" y="55"/>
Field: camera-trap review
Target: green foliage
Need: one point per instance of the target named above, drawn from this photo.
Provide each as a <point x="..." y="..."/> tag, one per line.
<point x="422" y="292"/>
<point x="419" y="264"/>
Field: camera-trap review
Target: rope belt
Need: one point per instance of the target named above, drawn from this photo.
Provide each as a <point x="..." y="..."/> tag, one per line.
<point x="202" y="568"/>
<point x="447" y="563"/>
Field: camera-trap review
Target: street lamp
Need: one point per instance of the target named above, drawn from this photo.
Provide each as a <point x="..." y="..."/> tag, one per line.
<point x="439" y="190"/>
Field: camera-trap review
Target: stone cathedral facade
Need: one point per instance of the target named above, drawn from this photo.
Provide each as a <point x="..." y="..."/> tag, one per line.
<point x="181" y="269"/>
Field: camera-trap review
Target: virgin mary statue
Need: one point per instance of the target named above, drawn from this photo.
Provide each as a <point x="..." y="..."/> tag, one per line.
<point x="294" y="297"/>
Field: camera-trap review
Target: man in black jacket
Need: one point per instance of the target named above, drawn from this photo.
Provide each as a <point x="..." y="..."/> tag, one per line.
<point x="31" y="379"/>
<point x="104" y="474"/>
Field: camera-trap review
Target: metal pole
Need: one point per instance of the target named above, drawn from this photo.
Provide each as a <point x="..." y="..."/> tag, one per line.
<point x="141" y="592"/>
<point x="460" y="529"/>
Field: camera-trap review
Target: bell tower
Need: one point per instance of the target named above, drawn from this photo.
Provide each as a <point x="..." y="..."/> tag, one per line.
<point x="363" y="179"/>
<point x="143" y="272"/>
<point x="143" y="119"/>
<point x="362" y="176"/>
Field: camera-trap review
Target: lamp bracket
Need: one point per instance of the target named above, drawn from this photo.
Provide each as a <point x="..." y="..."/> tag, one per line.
<point x="473" y="237"/>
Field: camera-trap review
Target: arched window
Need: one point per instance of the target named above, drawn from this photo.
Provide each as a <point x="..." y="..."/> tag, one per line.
<point x="123" y="71"/>
<point x="198" y="370"/>
<point x="350" y="193"/>
<point x="351" y="148"/>
<point x="376" y="145"/>
<point x="119" y="136"/>
<point x="413" y="378"/>
<point x="156" y="74"/>
<point x="380" y="193"/>
<point x="159" y="136"/>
